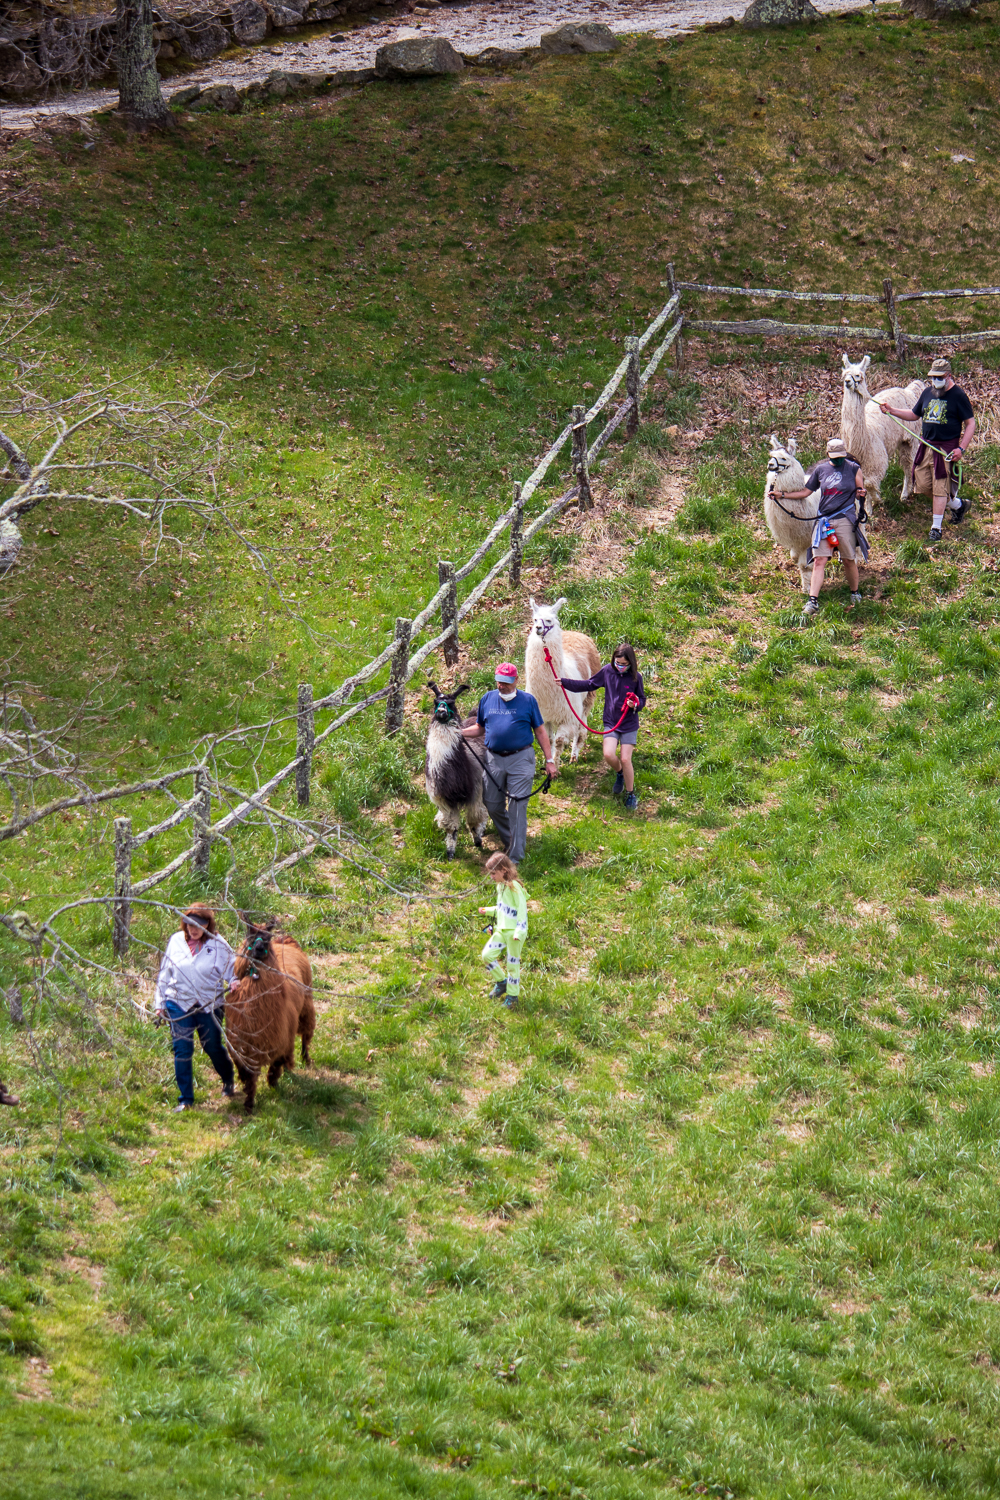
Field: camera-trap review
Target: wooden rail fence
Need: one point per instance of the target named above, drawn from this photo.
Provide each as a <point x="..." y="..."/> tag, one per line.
<point x="398" y="654"/>
<point x="888" y="298"/>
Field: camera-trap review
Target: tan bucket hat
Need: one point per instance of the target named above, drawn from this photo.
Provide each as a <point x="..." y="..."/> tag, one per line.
<point x="836" y="448"/>
<point x="940" y="367"/>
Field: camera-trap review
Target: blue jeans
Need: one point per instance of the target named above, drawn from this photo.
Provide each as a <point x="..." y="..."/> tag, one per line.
<point x="208" y="1024"/>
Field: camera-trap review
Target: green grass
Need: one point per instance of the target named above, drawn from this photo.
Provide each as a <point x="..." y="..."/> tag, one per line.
<point x="714" y="1213"/>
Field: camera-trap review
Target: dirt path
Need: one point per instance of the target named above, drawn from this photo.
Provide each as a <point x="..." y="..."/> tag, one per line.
<point x="469" y="27"/>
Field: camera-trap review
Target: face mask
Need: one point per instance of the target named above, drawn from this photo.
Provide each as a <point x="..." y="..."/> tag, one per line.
<point x="838" y="463"/>
<point x="938" y="384"/>
<point x="622" y="669"/>
<point x="507" y="693"/>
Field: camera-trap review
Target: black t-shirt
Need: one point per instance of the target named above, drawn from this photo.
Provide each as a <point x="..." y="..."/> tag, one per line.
<point x="943" y="413"/>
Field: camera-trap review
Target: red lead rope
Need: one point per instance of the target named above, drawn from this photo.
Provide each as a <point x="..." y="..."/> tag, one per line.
<point x="631" y="701"/>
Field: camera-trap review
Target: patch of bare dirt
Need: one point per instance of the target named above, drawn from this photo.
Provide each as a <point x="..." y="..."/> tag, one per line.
<point x="34" y="1383"/>
<point x="847" y="1307"/>
<point x="75" y="1265"/>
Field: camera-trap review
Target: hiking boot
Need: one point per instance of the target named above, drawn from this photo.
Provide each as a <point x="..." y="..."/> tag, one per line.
<point x="619" y="785"/>
<point x="855" y="598"/>
<point x="6" y="1098"/>
<point x="811" y="606"/>
<point x="935" y="535"/>
<point x="959" y="515"/>
<point x="631" y="802"/>
<point x="499" y="990"/>
<point x="510" y="1003"/>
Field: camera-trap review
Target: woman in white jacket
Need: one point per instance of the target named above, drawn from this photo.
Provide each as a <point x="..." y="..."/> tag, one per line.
<point x="196" y="972"/>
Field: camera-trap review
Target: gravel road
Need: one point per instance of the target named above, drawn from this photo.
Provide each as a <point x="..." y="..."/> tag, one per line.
<point x="469" y="27"/>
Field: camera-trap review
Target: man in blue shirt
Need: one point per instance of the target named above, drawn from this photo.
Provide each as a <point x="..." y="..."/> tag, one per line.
<point x="511" y="721"/>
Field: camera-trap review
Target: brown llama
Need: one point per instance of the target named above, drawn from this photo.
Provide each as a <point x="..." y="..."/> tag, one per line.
<point x="270" y="1003"/>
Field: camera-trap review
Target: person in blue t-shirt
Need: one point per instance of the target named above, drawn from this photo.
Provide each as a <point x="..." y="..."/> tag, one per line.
<point x="511" y="722"/>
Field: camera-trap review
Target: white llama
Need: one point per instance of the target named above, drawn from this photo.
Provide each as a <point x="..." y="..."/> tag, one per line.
<point x="790" y="522"/>
<point x="873" y="438"/>
<point x="573" y="655"/>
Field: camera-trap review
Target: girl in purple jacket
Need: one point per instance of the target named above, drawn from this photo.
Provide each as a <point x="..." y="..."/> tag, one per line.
<point x="624" y="696"/>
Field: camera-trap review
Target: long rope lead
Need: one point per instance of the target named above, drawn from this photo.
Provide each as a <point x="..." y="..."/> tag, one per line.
<point x="631" y="701"/>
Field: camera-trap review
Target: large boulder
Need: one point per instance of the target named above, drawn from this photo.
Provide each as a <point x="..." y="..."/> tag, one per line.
<point x="580" y="36"/>
<point x="248" y="21"/>
<point x="184" y="98"/>
<point x="197" y="34"/>
<point x="496" y="57"/>
<point x="417" y="57"/>
<point x="934" y="10"/>
<point x="279" y="85"/>
<point x="779" y="13"/>
<point x="286" y="15"/>
<point x="221" y="97"/>
<point x="350" y="77"/>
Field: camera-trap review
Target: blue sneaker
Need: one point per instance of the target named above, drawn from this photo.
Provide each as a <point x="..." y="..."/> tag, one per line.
<point x="631" y="801"/>
<point x="619" y="785"/>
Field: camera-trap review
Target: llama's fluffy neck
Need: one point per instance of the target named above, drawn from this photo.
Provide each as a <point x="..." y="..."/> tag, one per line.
<point x="853" y="408"/>
<point x="443" y="741"/>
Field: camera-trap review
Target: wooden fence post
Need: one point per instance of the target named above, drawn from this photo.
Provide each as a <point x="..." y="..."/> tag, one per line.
<point x="449" y="612"/>
<point x="516" y="539"/>
<point x="632" y="375"/>
<point x="201" y="817"/>
<point x="305" y="739"/>
<point x="586" y="501"/>
<point x="397" y="678"/>
<point x="678" y="344"/>
<point x="121" y="923"/>
<point x="897" y="327"/>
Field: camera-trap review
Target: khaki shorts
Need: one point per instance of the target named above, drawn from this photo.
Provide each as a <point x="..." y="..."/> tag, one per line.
<point x="846" y="545"/>
<point x="927" y="482"/>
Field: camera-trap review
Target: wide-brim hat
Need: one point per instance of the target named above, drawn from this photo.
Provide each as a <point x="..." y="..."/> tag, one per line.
<point x="941" y="366"/>
<point x="506" y="672"/>
<point x="836" y="448"/>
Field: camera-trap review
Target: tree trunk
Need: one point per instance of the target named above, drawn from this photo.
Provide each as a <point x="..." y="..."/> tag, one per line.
<point x="139" y="95"/>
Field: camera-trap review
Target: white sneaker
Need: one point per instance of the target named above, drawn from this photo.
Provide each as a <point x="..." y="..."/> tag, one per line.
<point x="180" y="1108"/>
<point x="811" y="607"/>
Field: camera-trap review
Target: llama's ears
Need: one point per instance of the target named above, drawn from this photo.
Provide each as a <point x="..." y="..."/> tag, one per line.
<point x="531" y="601"/>
<point x="845" y="361"/>
<point x="558" y="605"/>
<point x="434" y="688"/>
<point x="773" y="440"/>
<point x="463" y="688"/>
<point x="866" y="362"/>
<point x="792" y="446"/>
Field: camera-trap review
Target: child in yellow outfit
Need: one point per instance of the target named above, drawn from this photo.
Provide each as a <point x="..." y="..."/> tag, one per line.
<point x="510" y="928"/>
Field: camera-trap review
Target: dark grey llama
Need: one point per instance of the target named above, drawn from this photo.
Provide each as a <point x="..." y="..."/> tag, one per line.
<point x="454" y="771"/>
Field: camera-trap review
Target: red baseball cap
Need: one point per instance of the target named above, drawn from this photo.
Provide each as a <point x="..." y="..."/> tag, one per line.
<point x="506" y="672"/>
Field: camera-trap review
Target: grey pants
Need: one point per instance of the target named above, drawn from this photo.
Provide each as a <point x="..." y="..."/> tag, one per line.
<point x="512" y="775"/>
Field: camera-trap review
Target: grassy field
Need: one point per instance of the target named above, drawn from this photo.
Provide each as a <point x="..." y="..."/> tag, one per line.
<point x="715" y="1212"/>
